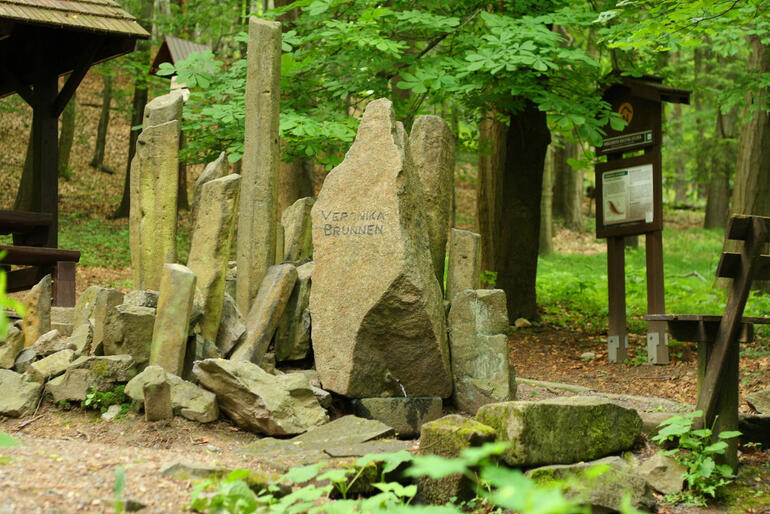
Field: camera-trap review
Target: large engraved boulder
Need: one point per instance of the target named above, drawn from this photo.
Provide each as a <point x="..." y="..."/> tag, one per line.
<point x="376" y="306"/>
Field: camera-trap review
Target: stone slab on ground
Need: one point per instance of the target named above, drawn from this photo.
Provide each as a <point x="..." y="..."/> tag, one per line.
<point x="606" y="492"/>
<point x="260" y="402"/>
<point x="19" y="394"/>
<point x="345" y="436"/>
<point x="187" y="399"/>
<point x="405" y="415"/>
<point x="759" y="401"/>
<point x="561" y="430"/>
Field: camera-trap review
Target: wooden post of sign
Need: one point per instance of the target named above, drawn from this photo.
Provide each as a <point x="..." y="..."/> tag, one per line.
<point x="657" y="336"/>
<point x="617" y="341"/>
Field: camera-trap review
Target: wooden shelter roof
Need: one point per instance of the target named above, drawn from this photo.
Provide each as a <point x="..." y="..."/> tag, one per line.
<point x="41" y="37"/>
<point x="174" y="49"/>
<point x="91" y="15"/>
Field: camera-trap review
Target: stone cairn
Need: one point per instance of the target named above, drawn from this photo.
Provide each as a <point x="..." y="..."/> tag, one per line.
<point x="349" y="302"/>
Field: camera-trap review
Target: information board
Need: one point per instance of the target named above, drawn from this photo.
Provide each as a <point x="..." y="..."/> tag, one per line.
<point x="627" y="195"/>
<point x="628" y="199"/>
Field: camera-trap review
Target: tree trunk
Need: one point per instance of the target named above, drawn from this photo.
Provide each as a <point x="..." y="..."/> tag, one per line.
<point x="24" y="196"/>
<point x="751" y="194"/>
<point x="558" y="153"/>
<point x="182" y="203"/>
<point x="67" y="136"/>
<point x="492" y="148"/>
<point x="101" y="131"/>
<point x="295" y="181"/>
<point x="546" y="204"/>
<point x="717" y="200"/>
<point x="137" y="106"/>
<point x="509" y="206"/>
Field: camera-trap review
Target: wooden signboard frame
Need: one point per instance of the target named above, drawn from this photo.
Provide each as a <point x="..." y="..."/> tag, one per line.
<point x="640" y="103"/>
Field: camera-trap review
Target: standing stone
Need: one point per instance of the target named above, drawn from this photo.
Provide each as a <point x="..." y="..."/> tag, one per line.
<point x="175" y="303"/>
<point x="231" y="327"/>
<point x="478" y="321"/>
<point x="61" y="319"/>
<point x="187" y="399"/>
<point x="464" y="268"/>
<point x="210" y="246"/>
<point x="156" y="392"/>
<point x="37" y="311"/>
<point x="231" y="277"/>
<point x="267" y="310"/>
<point x="10" y="347"/>
<point x="81" y="339"/>
<point x="292" y="337"/>
<point x="257" y="212"/>
<point x="213" y="170"/>
<point x="128" y="331"/>
<point x="84" y="307"/>
<point x="279" y="244"/>
<point x="433" y="150"/>
<point x="376" y="306"/>
<point x="154" y="190"/>
<point x="298" y="230"/>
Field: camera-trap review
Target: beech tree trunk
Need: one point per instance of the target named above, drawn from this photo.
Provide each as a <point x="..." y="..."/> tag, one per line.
<point x="546" y="204"/>
<point x="101" y="131"/>
<point x="295" y="181"/>
<point x="509" y="196"/>
<point x="492" y="148"/>
<point x="67" y="136"/>
<point x="568" y="187"/>
<point x="137" y="109"/>
<point x="751" y="194"/>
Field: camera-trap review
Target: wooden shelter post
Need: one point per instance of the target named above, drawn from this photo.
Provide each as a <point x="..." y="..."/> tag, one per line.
<point x="45" y="147"/>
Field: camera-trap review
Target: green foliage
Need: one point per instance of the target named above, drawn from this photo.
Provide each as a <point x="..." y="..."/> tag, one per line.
<point x="498" y="488"/>
<point x="488" y="277"/>
<point x="120" y="483"/>
<point x="572" y="288"/>
<point x="104" y="243"/>
<point x="6" y="441"/>
<point x="697" y="451"/>
<point x="101" y="401"/>
<point x="6" y="303"/>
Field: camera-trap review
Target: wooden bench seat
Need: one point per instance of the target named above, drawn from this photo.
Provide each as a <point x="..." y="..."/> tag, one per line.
<point x="718" y="337"/>
<point x="41" y="261"/>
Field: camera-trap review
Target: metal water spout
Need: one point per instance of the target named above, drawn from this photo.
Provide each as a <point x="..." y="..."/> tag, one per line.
<point x="390" y="378"/>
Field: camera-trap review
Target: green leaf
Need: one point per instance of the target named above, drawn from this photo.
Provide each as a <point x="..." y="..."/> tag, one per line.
<point x="434" y="466"/>
<point x="6" y="441"/>
<point x="729" y="434"/>
<point x="303" y="474"/>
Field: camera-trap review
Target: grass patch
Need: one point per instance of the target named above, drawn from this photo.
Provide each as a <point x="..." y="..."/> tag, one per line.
<point x="572" y="288"/>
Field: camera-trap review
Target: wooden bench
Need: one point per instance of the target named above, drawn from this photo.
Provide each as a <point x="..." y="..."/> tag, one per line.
<point x="718" y="337"/>
<point x="30" y="234"/>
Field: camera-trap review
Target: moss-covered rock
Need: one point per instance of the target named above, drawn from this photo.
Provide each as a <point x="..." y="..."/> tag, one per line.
<point x="561" y="430"/>
<point x="447" y="437"/>
<point x="602" y="484"/>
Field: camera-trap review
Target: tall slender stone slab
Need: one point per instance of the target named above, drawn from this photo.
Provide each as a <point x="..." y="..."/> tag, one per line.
<point x="105" y="301"/>
<point x="154" y="191"/>
<point x="433" y="150"/>
<point x="213" y="170"/>
<point x="292" y="337"/>
<point x="377" y="312"/>
<point x="478" y="321"/>
<point x="298" y="230"/>
<point x="210" y="247"/>
<point x="175" y="304"/>
<point x="257" y="212"/>
<point x="37" y="311"/>
<point x="267" y="310"/>
<point x="464" y="268"/>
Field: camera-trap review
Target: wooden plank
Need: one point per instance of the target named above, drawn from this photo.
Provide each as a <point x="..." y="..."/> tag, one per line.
<point x="36" y="255"/>
<point x="616" y="289"/>
<point x="23" y="220"/>
<point x="728" y="329"/>
<point x="739" y="226"/>
<point x="657" y="347"/>
<point x="755" y="320"/>
<point x="730" y="266"/>
<point x="64" y="284"/>
<point x="23" y="279"/>
<point x="705" y="331"/>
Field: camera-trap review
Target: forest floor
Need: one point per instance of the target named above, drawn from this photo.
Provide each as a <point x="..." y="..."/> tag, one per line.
<point x="68" y="459"/>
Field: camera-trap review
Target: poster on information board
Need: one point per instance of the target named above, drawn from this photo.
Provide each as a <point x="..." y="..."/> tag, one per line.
<point x="628" y="198"/>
